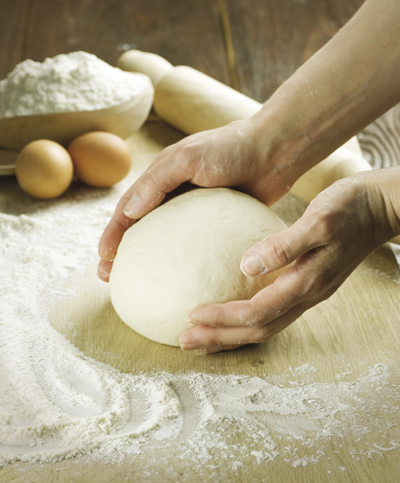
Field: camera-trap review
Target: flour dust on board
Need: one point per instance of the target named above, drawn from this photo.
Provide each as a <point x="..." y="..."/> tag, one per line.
<point x="56" y="403"/>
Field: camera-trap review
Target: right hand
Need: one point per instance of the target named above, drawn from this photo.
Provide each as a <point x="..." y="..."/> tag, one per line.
<point x="233" y="155"/>
<point x="341" y="226"/>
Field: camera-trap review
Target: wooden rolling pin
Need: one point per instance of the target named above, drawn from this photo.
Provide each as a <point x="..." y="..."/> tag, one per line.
<point x="194" y="102"/>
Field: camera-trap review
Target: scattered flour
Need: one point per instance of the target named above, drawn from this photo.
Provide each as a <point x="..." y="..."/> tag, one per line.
<point x="56" y="403"/>
<point x="68" y="82"/>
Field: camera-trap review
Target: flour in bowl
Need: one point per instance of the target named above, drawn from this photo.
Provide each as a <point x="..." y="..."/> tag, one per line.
<point x="66" y="83"/>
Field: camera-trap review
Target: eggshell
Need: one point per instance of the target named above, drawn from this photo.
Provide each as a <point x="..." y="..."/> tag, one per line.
<point x="100" y="158"/>
<point x="44" y="169"/>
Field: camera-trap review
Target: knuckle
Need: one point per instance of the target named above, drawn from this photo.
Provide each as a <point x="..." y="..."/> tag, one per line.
<point x="183" y="157"/>
<point x="319" y="287"/>
<point x="260" y="335"/>
<point x="170" y="149"/>
<point x="211" y="337"/>
<point x="314" y="286"/>
<point x="219" y="315"/>
<point x="150" y="180"/>
<point x="280" y="252"/>
<point x="328" y="293"/>
<point x="247" y="316"/>
<point x="257" y="321"/>
<point x="324" y="228"/>
<point x="254" y="317"/>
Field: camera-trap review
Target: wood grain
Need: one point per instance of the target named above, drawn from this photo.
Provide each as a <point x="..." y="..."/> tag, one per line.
<point x="182" y="32"/>
<point x="355" y="329"/>
<point x="14" y="18"/>
<point x="380" y="141"/>
<point x="273" y="38"/>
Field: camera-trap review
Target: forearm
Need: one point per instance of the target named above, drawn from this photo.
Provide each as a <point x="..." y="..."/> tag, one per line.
<point x="350" y="82"/>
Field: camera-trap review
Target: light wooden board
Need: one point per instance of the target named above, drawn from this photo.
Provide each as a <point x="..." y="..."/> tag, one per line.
<point x="357" y="328"/>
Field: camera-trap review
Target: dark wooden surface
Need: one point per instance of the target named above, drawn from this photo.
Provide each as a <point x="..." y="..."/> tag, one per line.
<point x="273" y="38"/>
<point x="252" y="45"/>
<point x="185" y="32"/>
<point x="270" y="38"/>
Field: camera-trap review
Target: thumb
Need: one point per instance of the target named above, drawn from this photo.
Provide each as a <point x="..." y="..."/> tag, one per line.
<point x="165" y="174"/>
<point x="278" y="250"/>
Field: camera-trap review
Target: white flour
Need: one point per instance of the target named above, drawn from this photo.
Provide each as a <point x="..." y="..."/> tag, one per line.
<point x="73" y="82"/>
<point x="56" y="403"/>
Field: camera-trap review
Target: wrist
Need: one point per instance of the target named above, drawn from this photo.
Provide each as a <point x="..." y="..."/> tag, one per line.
<point x="390" y="192"/>
<point x="283" y="144"/>
<point x="383" y="188"/>
<point x="350" y="82"/>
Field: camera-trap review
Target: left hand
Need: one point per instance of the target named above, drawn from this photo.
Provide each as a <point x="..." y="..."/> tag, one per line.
<point x="341" y="226"/>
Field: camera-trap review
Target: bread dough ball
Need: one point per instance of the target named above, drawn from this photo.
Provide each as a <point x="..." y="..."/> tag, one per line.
<point x="187" y="253"/>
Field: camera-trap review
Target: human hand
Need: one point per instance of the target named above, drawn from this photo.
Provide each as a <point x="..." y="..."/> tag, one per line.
<point x="339" y="229"/>
<point x="233" y="155"/>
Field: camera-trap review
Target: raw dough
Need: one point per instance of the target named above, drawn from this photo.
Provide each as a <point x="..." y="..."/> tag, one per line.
<point x="187" y="253"/>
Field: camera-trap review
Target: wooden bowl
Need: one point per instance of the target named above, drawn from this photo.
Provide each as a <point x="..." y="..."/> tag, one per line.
<point x="121" y="119"/>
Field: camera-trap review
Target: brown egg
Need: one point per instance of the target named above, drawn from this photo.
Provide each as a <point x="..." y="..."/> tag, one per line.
<point x="100" y="158"/>
<point x="44" y="169"/>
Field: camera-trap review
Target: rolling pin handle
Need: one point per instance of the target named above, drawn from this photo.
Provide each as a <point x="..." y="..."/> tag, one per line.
<point x="340" y="164"/>
<point x="147" y="63"/>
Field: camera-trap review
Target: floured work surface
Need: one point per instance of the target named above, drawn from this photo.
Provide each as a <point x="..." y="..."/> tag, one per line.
<point x="318" y="402"/>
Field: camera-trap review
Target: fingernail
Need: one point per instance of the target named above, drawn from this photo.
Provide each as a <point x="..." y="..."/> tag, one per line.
<point x="193" y="316"/>
<point x="252" y="265"/>
<point x="132" y="206"/>
<point x="189" y="347"/>
<point x="194" y="321"/>
<point x="103" y="272"/>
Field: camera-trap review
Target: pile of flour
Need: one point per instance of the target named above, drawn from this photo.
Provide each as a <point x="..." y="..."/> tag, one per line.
<point x="73" y="82"/>
<point x="56" y="403"/>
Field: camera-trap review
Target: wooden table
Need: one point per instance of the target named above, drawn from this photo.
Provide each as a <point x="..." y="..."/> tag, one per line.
<point x="253" y="46"/>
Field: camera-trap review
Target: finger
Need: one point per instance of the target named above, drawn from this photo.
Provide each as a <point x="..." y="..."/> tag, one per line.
<point x="214" y="350"/>
<point x="115" y="229"/>
<point x="274" y="300"/>
<point x="162" y="177"/>
<point x="120" y="221"/>
<point x="112" y="236"/>
<point x="215" y="339"/>
<point x="280" y="249"/>
<point x="104" y="270"/>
